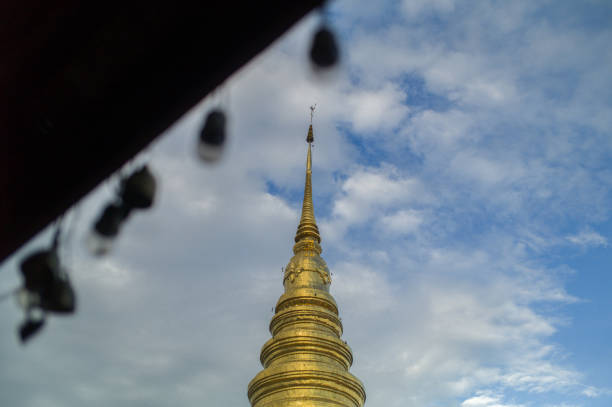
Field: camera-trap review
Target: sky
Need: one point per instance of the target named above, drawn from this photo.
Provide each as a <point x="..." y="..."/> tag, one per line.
<point x="462" y="181"/>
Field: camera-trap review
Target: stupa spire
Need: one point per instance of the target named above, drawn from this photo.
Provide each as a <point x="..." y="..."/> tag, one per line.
<point x="308" y="224"/>
<point x="305" y="362"/>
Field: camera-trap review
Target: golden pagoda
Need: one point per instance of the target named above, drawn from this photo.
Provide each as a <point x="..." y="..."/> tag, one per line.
<point x="305" y="362"/>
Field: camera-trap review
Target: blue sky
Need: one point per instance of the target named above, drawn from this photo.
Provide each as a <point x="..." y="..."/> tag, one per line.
<point x="462" y="186"/>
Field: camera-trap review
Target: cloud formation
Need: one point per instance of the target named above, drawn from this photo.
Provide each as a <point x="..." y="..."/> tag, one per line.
<point x="588" y="238"/>
<point x="461" y="148"/>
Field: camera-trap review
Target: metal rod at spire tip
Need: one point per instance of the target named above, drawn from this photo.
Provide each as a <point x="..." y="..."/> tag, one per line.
<point x="312" y="109"/>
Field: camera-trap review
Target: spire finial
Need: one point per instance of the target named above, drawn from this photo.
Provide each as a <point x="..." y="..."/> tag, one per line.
<point x="308" y="226"/>
<point x="310" y="136"/>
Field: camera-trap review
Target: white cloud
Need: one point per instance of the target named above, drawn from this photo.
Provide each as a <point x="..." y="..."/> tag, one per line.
<point x="402" y="222"/>
<point x="379" y="110"/>
<point x="414" y="8"/>
<point x="487" y="400"/>
<point x="594" y="392"/>
<point x="430" y="131"/>
<point x="376" y="194"/>
<point x="366" y="289"/>
<point x="588" y="238"/>
<point x="370" y="188"/>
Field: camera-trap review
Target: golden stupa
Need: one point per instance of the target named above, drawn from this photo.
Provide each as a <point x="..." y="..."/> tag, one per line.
<point x="305" y="362"/>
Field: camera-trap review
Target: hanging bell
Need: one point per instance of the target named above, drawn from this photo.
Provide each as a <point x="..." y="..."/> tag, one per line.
<point x="110" y="221"/>
<point x="102" y="236"/>
<point x="47" y="285"/>
<point x="59" y="296"/>
<point x="138" y="190"/>
<point x="29" y="327"/>
<point x="324" y="49"/>
<point x="212" y="136"/>
<point x="38" y="270"/>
